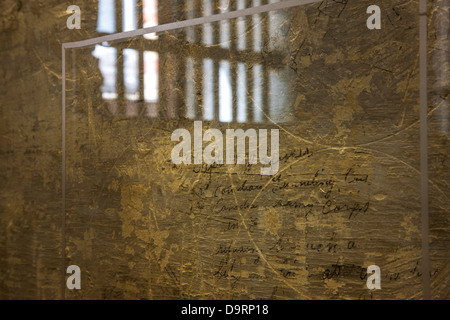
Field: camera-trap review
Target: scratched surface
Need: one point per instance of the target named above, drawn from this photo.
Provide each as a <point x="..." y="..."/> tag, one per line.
<point x="346" y="196"/>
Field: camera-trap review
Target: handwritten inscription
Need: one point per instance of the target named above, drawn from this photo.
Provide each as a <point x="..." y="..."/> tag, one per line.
<point x="273" y="214"/>
<point x="285" y="191"/>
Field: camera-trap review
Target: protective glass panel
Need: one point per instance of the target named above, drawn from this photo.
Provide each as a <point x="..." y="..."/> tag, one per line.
<point x="294" y="164"/>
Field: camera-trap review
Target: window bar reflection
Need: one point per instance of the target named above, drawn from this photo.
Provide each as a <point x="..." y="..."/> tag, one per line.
<point x="233" y="62"/>
<point x="191" y="35"/>
<point x="208" y="99"/>
<point x="213" y="88"/>
<point x="192" y="76"/>
<point x="141" y="67"/>
<point x="224" y="25"/>
<point x="191" y="103"/>
<point x="241" y="22"/>
<point x="122" y="108"/>
<point x="207" y="27"/>
<point x="257" y="97"/>
<point x="216" y="62"/>
<point x="257" y="30"/>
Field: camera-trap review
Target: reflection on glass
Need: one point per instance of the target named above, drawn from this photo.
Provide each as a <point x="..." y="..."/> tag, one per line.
<point x="151" y="76"/>
<point x="191" y="35"/>
<point x="106" y="21"/>
<point x="241" y="26"/>
<point x="191" y="101"/>
<point x="150" y="13"/>
<point x="208" y="89"/>
<point x="241" y="88"/>
<point x="257" y="93"/>
<point x="171" y="86"/>
<point x="207" y="27"/>
<point x="223" y="75"/>
<point x="107" y="63"/>
<point x="277" y="94"/>
<point x="225" y="93"/>
<point x="129" y="15"/>
<point x="131" y="74"/>
<point x="224" y="25"/>
<point x="257" y="29"/>
<point x="279" y="97"/>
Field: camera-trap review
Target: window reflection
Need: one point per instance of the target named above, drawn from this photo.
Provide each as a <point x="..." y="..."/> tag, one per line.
<point x="225" y="93"/>
<point x="241" y="27"/>
<point x="257" y="28"/>
<point x="191" y="35"/>
<point x="220" y="85"/>
<point x="224" y="25"/>
<point x="151" y="82"/>
<point x="106" y="22"/>
<point x="129" y="18"/>
<point x="207" y="27"/>
<point x="150" y="12"/>
<point x="131" y="74"/>
<point x="151" y="76"/>
<point x="257" y="98"/>
<point x="107" y="63"/>
<point x="208" y="89"/>
<point x="191" y="100"/>
<point x="241" y="88"/>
